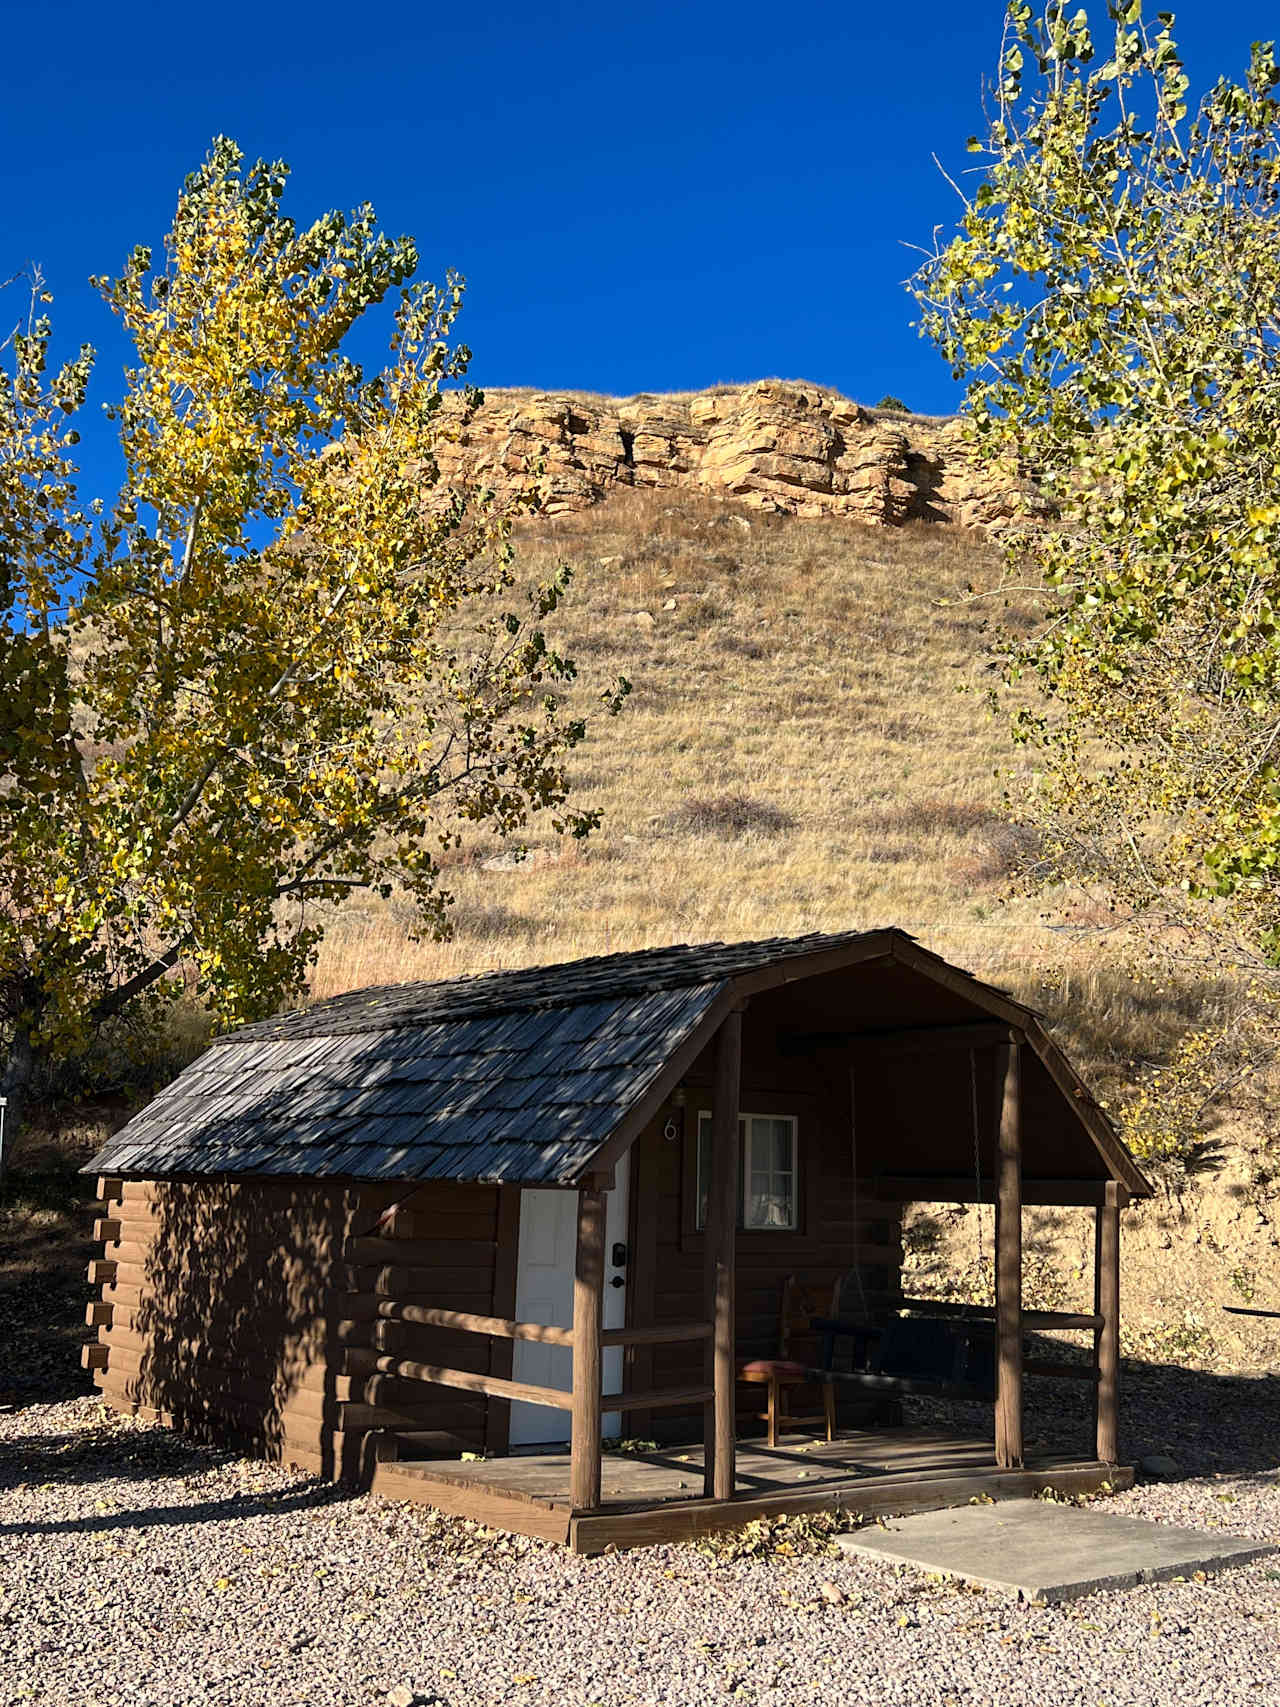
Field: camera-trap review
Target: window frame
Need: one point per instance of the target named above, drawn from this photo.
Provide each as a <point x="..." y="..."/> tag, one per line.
<point x="796" y="1242"/>
<point x="746" y="1138"/>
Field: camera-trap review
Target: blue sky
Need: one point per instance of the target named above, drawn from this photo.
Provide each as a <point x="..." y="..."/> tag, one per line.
<point x="643" y="198"/>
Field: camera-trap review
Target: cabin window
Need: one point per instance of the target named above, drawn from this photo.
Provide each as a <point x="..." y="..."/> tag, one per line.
<point x="767" y="1160"/>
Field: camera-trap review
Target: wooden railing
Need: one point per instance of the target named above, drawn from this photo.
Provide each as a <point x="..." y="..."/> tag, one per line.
<point x="365" y="1361"/>
<point x="985" y="1313"/>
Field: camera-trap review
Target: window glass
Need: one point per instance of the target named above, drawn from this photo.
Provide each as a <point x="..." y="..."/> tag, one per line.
<point x="767" y="1158"/>
<point x="771" y="1176"/>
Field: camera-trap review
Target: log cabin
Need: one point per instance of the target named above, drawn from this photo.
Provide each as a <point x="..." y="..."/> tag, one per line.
<point x="459" y="1241"/>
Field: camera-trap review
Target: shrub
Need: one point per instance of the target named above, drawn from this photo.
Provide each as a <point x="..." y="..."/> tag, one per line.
<point x="727" y="816"/>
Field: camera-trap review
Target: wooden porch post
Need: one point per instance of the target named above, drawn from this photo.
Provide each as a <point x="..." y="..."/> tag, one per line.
<point x="1009" y="1258"/>
<point x="588" y="1304"/>
<point x="1106" y="1295"/>
<point x="719" y="1428"/>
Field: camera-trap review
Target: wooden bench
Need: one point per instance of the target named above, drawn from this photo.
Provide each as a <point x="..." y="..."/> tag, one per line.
<point x="911" y="1356"/>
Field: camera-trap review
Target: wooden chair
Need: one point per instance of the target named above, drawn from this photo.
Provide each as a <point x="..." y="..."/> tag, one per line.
<point x="781" y="1374"/>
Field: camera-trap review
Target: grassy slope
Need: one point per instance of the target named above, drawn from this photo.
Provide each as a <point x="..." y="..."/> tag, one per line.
<point x="811" y="669"/>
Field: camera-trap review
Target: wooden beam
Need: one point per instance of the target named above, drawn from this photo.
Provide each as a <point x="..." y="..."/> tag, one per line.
<point x="1106" y="1350"/>
<point x="669" y="1334"/>
<point x="872" y="947"/>
<point x="676" y="1521"/>
<point x="719" y="1440"/>
<point x="904" y="1039"/>
<point x="98" y="1314"/>
<point x="955" y="1188"/>
<point x="1009" y="1258"/>
<point x="94" y="1356"/>
<point x="670" y="1397"/>
<point x="102" y="1272"/>
<point x="588" y="1318"/>
<point x="491" y="1507"/>
<point x="468" y="1382"/>
<point x="497" y="1327"/>
<point x="110" y="1188"/>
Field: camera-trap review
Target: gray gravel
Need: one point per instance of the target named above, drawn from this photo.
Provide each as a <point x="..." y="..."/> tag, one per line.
<point x="137" y="1568"/>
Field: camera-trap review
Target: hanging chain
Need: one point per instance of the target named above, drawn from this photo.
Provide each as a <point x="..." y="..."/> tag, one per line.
<point x="977" y="1157"/>
<point x="853" y="1148"/>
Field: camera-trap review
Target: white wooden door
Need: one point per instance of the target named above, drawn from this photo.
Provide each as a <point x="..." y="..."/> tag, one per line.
<point x="544" y="1293"/>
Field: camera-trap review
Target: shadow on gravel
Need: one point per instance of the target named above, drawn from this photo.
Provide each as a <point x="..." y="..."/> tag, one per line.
<point x="1211" y="1424"/>
<point x="312" y="1496"/>
<point x="101" y="1454"/>
<point x="45" y="1222"/>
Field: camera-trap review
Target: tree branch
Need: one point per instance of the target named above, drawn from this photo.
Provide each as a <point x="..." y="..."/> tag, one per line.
<point x="108" y="1006"/>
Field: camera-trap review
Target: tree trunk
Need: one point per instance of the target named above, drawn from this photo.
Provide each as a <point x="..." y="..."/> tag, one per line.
<point x="18" y="1070"/>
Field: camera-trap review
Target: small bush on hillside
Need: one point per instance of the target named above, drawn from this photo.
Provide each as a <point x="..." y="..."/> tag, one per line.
<point x="889" y="401"/>
<point x="919" y="816"/>
<point x="727" y="816"/>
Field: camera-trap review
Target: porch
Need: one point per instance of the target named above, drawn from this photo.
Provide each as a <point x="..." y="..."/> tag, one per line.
<point x="971" y="1079"/>
<point x="657" y="1496"/>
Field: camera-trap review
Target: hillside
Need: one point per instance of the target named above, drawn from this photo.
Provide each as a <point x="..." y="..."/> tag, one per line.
<point x="807" y="747"/>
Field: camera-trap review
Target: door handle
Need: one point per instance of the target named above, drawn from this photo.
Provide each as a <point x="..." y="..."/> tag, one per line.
<point x="617" y="1281"/>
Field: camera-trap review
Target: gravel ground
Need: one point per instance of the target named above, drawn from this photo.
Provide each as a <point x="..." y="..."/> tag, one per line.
<point x="135" y="1568"/>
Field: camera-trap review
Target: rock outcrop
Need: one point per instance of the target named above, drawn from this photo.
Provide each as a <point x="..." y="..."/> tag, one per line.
<point x="775" y="444"/>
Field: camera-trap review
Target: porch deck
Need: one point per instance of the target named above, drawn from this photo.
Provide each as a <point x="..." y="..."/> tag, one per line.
<point x="657" y="1496"/>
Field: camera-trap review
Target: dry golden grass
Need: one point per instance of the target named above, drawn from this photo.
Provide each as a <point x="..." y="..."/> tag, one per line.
<point x="806" y="748"/>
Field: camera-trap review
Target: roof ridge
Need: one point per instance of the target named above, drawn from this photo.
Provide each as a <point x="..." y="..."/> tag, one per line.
<point x="564" y="983"/>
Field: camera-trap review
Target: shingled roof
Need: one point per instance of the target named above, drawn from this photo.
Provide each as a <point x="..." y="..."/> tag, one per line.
<point x="517" y="1076"/>
<point x="520" y="1077"/>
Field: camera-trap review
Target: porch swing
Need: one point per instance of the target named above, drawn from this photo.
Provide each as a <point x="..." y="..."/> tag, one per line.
<point x="948" y="1355"/>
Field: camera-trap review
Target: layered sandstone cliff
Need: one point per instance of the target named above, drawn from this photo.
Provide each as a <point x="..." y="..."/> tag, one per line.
<point x="774" y="444"/>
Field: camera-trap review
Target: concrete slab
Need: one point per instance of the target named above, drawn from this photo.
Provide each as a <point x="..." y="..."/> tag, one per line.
<point x="1041" y="1551"/>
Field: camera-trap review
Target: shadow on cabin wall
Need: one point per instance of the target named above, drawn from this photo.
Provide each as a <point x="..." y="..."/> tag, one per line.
<point x="234" y="1315"/>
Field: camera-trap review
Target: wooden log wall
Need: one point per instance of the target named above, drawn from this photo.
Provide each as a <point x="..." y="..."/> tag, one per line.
<point x="840" y="1229"/>
<point x="249" y="1312"/>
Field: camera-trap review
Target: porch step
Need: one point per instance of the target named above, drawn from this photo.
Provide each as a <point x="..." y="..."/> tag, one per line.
<point x="414" y="1446"/>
